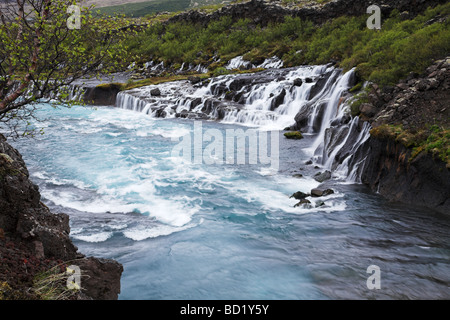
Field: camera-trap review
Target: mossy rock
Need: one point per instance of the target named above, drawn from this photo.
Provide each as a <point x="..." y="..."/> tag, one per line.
<point x="294" y="135"/>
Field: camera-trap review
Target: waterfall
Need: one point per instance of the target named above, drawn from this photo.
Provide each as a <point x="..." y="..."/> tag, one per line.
<point x="314" y="96"/>
<point x="238" y="63"/>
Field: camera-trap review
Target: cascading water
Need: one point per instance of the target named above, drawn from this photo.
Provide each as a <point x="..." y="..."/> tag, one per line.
<point x="270" y="100"/>
<point x="184" y="230"/>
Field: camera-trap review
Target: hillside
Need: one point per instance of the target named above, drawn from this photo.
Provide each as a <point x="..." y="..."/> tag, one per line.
<point x="140" y="8"/>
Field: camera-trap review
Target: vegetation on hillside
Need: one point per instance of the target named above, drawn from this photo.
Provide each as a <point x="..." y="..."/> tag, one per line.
<point x="432" y="139"/>
<point x="383" y="56"/>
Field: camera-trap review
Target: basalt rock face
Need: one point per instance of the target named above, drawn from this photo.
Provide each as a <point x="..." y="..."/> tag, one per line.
<point x="264" y="12"/>
<point x="31" y="234"/>
<point x="395" y="174"/>
<point x="101" y="95"/>
<point x="390" y="167"/>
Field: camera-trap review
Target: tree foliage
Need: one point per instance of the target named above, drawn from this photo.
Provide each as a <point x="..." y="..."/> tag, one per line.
<point x="40" y="56"/>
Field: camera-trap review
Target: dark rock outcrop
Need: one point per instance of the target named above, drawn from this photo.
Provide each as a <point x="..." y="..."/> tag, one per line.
<point x="102" y="95"/>
<point x="391" y="168"/>
<point x="322" y="176"/>
<point x="394" y="173"/>
<point x="39" y="236"/>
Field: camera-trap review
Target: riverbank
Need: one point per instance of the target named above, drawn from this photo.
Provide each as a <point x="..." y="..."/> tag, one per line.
<point x="35" y="244"/>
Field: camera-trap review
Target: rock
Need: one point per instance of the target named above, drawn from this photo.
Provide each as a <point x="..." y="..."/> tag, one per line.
<point x="321" y="177"/>
<point x="278" y="100"/>
<point x="294" y="135"/>
<point x="298" y="175"/>
<point x="309" y="162"/>
<point x="299" y="195"/>
<point x="316" y="193"/>
<point x="102" y="95"/>
<point x="402" y="86"/>
<point x="155" y="92"/>
<point x="368" y="110"/>
<point x="100" y="278"/>
<point x="194" y="79"/>
<point x="321" y="193"/>
<point x="308" y="80"/>
<point x="298" y="82"/>
<point x="301" y="203"/>
<point x="302" y="118"/>
<point x="320" y="204"/>
<point x="422" y="85"/>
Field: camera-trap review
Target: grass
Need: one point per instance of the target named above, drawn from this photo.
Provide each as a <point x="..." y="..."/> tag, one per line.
<point x="52" y="285"/>
<point x="433" y="139"/>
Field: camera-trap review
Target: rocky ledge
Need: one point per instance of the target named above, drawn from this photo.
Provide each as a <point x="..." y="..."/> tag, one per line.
<point x="34" y="241"/>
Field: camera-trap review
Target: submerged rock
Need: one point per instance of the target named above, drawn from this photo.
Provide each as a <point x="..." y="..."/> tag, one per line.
<point x="302" y="202"/>
<point x="321" y="177"/>
<point x="299" y="195"/>
<point x="321" y="193"/>
<point x="320" y="204"/>
<point x="294" y="135"/>
<point x="298" y="82"/>
<point x="155" y="92"/>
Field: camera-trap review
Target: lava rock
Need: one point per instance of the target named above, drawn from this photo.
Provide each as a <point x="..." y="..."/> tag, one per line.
<point x="155" y="92"/>
<point x="299" y="195"/>
<point x="316" y="193"/>
<point x="302" y="202"/>
<point x="321" y="177"/>
<point x="298" y="82"/>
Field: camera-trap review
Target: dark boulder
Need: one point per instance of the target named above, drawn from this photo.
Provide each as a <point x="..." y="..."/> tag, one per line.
<point x="194" y="79"/>
<point x="321" y="193"/>
<point x="155" y="92"/>
<point x="278" y="100"/>
<point x="299" y="195"/>
<point x="298" y="82"/>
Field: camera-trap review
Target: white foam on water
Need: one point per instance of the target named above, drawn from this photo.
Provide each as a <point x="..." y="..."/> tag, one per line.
<point x="141" y="232"/>
<point x="94" y="238"/>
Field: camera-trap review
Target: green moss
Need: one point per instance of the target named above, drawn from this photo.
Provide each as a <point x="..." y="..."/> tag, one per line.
<point x="108" y="86"/>
<point x="356" y="103"/>
<point x="294" y="135"/>
<point x="433" y="140"/>
<point x="357" y="87"/>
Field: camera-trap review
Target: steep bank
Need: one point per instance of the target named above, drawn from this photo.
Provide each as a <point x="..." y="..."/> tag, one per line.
<point x="33" y="240"/>
<point x="408" y="152"/>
